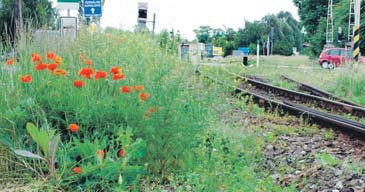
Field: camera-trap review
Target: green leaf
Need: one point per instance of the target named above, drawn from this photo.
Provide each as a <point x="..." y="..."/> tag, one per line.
<point x="29" y="154"/>
<point x="40" y="137"/>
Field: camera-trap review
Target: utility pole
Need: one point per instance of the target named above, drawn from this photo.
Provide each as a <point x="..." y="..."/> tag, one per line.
<point x="154" y="23"/>
<point x="329" y="29"/>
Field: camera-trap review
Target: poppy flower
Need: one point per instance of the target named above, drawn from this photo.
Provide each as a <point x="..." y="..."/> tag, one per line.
<point x="86" y="72"/>
<point x="73" y="127"/>
<point x="138" y="87"/>
<point x="26" y="79"/>
<point x="58" y="72"/>
<point x="101" y="153"/>
<point x="52" y="66"/>
<point x="125" y="89"/>
<point x="10" y="61"/>
<point x="36" y="57"/>
<point x="79" y="83"/>
<point x="41" y="66"/>
<point x="100" y="74"/>
<point x="57" y="59"/>
<point x="144" y="96"/>
<point x="121" y="153"/>
<point x="152" y="110"/>
<point x="118" y="76"/>
<point x="77" y="170"/>
<point x="51" y="55"/>
<point x="88" y="62"/>
<point x="81" y="56"/>
<point x="115" y="70"/>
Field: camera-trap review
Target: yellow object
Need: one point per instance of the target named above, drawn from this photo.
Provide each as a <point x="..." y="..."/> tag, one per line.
<point x="93" y="27"/>
<point x="217" y="51"/>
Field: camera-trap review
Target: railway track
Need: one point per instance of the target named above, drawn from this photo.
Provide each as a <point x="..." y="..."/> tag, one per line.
<point x="292" y="102"/>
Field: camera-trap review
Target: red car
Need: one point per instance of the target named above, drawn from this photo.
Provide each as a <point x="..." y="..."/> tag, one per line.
<point x="334" y="57"/>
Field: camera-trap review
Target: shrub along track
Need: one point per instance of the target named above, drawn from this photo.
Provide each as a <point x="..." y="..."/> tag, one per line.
<point x="326" y="112"/>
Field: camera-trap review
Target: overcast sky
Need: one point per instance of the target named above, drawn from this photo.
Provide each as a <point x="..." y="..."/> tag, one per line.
<point x="187" y="15"/>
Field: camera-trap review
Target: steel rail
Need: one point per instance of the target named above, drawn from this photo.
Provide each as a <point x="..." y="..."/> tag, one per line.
<point x="318" y="116"/>
<point x="319" y="101"/>
<point x="318" y="92"/>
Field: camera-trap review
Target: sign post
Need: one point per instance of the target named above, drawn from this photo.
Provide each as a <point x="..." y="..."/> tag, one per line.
<point x="92" y="8"/>
<point x="68" y="4"/>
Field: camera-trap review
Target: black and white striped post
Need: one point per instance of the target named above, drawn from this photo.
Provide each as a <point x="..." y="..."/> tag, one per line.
<point x="356" y="48"/>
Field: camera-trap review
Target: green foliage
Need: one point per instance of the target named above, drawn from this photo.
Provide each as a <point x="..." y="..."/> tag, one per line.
<point x="36" y="13"/>
<point x="328" y="135"/>
<point x="286" y="34"/>
<point x="328" y="160"/>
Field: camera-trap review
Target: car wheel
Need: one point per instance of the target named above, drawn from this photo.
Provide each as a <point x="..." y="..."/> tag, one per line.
<point x="324" y="64"/>
<point x="331" y="66"/>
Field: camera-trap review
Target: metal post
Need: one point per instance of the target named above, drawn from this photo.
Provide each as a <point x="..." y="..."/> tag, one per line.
<point x="356" y="47"/>
<point x="257" y="53"/>
<point x="154" y="23"/>
<point x="68" y="12"/>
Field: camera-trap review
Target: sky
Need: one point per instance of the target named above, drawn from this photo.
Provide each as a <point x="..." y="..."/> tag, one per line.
<point x="186" y="15"/>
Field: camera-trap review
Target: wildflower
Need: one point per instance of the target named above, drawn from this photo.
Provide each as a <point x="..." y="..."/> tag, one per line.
<point x="115" y="70"/>
<point x="77" y="170"/>
<point x="26" y="79"/>
<point x="81" y="56"/>
<point x="152" y="110"/>
<point x="121" y="40"/>
<point x="138" y="87"/>
<point x="100" y="74"/>
<point x="52" y="66"/>
<point x="79" y="83"/>
<point x="88" y="62"/>
<point x="36" y="57"/>
<point x="10" y="61"/>
<point x="147" y="114"/>
<point x="86" y="72"/>
<point x="73" y="127"/>
<point x="144" y="96"/>
<point x="57" y="59"/>
<point x="101" y="153"/>
<point x="118" y="76"/>
<point x="51" y="55"/>
<point x="58" y="72"/>
<point x="41" y="66"/>
<point x="125" y="89"/>
<point x="121" y="152"/>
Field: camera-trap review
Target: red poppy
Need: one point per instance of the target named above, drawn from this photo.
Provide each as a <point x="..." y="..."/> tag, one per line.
<point x="118" y="76"/>
<point x="52" y="66"/>
<point x="10" y="61"/>
<point x="152" y="110"/>
<point x="79" y="83"/>
<point x="125" y="89"/>
<point x="51" y="55"/>
<point x="138" y="88"/>
<point x="81" y="56"/>
<point x="26" y="79"/>
<point x="58" y="72"/>
<point x="86" y="72"/>
<point x="121" y="153"/>
<point x="100" y="74"/>
<point x="73" y="127"/>
<point x="144" y="96"/>
<point x="88" y="62"/>
<point x="115" y="70"/>
<point x="101" y="153"/>
<point x="36" y="57"/>
<point x="41" y="66"/>
<point x="77" y="170"/>
<point x="57" y="59"/>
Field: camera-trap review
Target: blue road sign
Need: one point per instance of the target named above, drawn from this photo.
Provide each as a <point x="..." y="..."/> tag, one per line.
<point x="92" y="8"/>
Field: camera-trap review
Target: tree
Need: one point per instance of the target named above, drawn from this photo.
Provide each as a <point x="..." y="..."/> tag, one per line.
<point x="38" y="13"/>
<point x="204" y="34"/>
